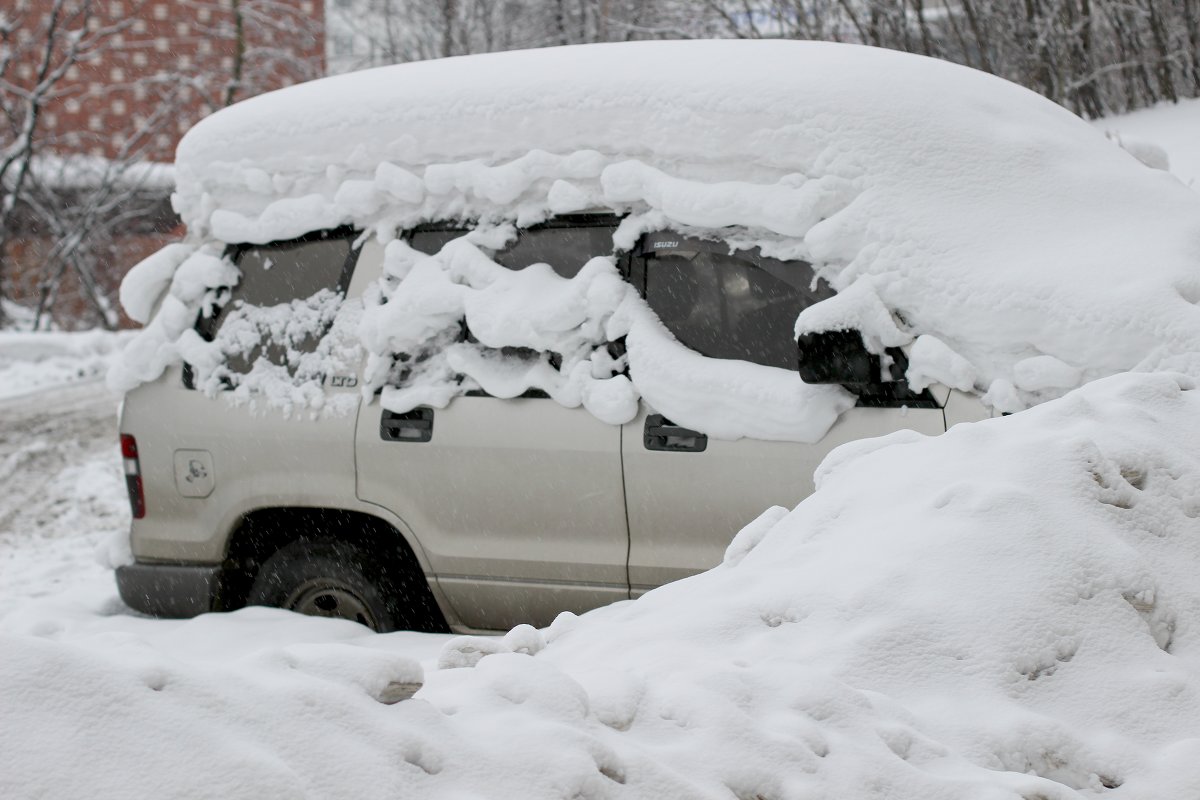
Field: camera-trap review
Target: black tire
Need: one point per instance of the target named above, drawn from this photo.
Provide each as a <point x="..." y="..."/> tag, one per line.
<point x="335" y="578"/>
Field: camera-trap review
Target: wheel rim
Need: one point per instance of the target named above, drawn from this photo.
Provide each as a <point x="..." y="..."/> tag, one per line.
<point x="325" y="598"/>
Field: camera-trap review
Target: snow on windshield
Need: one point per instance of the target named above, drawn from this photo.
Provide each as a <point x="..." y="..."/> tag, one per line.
<point x="1013" y="247"/>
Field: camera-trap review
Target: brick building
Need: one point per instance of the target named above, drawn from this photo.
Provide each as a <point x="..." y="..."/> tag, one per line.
<point x="179" y="52"/>
<point x="146" y="71"/>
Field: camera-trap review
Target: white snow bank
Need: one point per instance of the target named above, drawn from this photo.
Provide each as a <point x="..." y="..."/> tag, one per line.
<point x="1013" y="614"/>
<point x="939" y="201"/>
<point x="1168" y="128"/>
<point x="230" y="714"/>
<point x="36" y="361"/>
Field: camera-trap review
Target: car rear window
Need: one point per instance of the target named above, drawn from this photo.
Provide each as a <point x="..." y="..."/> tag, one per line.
<point x="285" y="300"/>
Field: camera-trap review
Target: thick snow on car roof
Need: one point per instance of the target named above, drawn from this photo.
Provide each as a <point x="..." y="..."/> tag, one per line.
<point x="1022" y="251"/>
<point x="1016" y="250"/>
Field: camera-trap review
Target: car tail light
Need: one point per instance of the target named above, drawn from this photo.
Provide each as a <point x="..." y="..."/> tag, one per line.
<point x="133" y="476"/>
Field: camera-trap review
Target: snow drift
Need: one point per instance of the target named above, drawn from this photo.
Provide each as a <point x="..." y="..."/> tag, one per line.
<point x="33" y="361"/>
<point x="1010" y="613"/>
<point x="1020" y="251"/>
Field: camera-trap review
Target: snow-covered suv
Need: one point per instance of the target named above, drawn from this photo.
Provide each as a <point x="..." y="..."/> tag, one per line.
<point x="472" y="342"/>
<point x="498" y="507"/>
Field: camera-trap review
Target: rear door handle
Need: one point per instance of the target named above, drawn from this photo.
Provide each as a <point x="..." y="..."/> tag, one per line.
<point x="411" y="426"/>
<point x="662" y="434"/>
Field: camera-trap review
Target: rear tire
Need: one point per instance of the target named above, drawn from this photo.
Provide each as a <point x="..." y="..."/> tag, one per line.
<point x="335" y="578"/>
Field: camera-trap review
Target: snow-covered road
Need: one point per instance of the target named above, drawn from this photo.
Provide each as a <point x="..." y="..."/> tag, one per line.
<point x="63" y="502"/>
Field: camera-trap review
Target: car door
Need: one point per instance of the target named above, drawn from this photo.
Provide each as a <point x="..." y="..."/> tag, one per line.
<point x="687" y="494"/>
<point x="517" y="503"/>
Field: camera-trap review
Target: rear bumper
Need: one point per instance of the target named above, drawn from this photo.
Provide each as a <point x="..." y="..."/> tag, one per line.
<point x="170" y="590"/>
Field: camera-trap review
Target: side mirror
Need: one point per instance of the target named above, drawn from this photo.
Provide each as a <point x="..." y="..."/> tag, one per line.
<point x="836" y="357"/>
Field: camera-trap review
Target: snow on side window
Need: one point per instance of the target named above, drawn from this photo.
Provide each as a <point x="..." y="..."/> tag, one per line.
<point x="272" y="331"/>
<point x="500" y="311"/>
<point x="450" y="318"/>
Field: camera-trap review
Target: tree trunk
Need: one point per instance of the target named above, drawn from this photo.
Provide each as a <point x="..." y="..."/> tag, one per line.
<point x="1191" y="23"/>
<point x="239" y="52"/>
<point x="449" y="12"/>
<point x="918" y="7"/>
<point x="985" y="61"/>
<point x="1162" y="42"/>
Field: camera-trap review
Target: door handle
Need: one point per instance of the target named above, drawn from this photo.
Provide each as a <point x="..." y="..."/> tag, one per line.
<point x="411" y="426"/>
<point x="662" y="434"/>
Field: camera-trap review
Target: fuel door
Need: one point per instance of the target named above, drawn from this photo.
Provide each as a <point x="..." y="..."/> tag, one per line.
<point x="194" y="473"/>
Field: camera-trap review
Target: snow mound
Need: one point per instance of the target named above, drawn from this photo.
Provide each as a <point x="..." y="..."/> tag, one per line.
<point x="1021" y="250"/>
<point x="37" y="361"/>
<point x="1168" y="128"/>
<point x="1013" y="614"/>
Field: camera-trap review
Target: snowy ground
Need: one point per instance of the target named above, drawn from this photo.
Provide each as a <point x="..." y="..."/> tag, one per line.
<point x="63" y="494"/>
<point x="1175" y="127"/>
<point x="1016" y="634"/>
<point x="30" y="362"/>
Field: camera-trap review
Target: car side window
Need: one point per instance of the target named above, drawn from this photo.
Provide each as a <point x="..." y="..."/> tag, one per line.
<point x="430" y="241"/>
<point x="565" y="247"/>
<point x="566" y="244"/>
<point x="739" y="305"/>
<point x="284" y="302"/>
